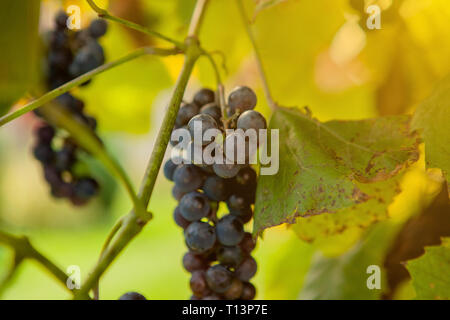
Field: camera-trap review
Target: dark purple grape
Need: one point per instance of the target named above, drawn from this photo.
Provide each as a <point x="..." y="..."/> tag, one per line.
<point x="248" y="243"/>
<point x="188" y="177"/>
<point x="247" y="269"/>
<point x="61" y="20"/>
<point x="225" y="170"/>
<point x="98" y="28"/>
<point x="216" y="188"/>
<point x="44" y="153"/>
<point x="186" y="112"/>
<point x="234" y="292"/>
<point x="245" y="215"/>
<point x="132" y="296"/>
<point x="241" y="99"/>
<point x="230" y="230"/>
<point x="230" y="256"/>
<point x="199" y="124"/>
<point x="251" y="119"/>
<point x="45" y="134"/>
<point x="200" y="237"/>
<point x="179" y="219"/>
<point x="213" y="110"/>
<point x="85" y="188"/>
<point x="194" y="206"/>
<point x="192" y="262"/>
<point x="219" y="278"/>
<point x="87" y="58"/>
<point x="236" y="203"/>
<point x="248" y="291"/>
<point x="169" y="169"/>
<point x="203" y="97"/>
<point x="198" y="283"/>
<point x="177" y="193"/>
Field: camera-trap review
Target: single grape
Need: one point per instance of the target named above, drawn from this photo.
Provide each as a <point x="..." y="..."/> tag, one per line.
<point x="247" y="269"/>
<point x="45" y="134"/>
<point x="198" y="283"/>
<point x="246" y="177"/>
<point x="213" y="110"/>
<point x="251" y="119"/>
<point x="200" y="237"/>
<point x="219" y="278"/>
<point x="169" y="169"/>
<point x="61" y="20"/>
<point x="52" y="175"/>
<point x="177" y="193"/>
<point x="230" y="230"/>
<point x="245" y="215"/>
<point x="87" y="58"/>
<point x="44" y="153"/>
<point x="236" y="203"/>
<point x="98" y="28"/>
<point x="60" y="59"/>
<point x="64" y="159"/>
<point x="216" y="188"/>
<point x="192" y="262"/>
<point x="248" y="243"/>
<point x="229" y="256"/>
<point x="71" y="103"/>
<point x="225" y="170"/>
<point x="194" y="206"/>
<point x="85" y="188"/>
<point x="186" y="112"/>
<point x="188" y="177"/>
<point x="199" y="124"/>
<point x="132" y="296"/>
<point x="179" y="219"/>
<point x="235" y="290"/>
<point x="241" y="99"/>
<point x="248" y="291"/>
<point x="203" y="97"/>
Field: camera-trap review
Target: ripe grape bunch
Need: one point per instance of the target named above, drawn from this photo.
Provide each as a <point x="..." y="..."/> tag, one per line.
<point x="70" y="54"/>
<point x="219" y="257"/>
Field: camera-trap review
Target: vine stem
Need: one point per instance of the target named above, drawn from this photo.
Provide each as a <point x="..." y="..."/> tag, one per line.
<point x="24" y="249"/>
<point x="272" y="104"/>
<point x="102" y="13"/>
<point x="83" y="78"/>
<point x="132" y="223"/>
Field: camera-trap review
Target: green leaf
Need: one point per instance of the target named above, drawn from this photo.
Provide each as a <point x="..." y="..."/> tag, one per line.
<point x="430" y="273"/>
<point x="347" y="221"/>
<point x="346" y="276"/>
<point x="324" y="166"/>
<point x="433" y="117"/>
<point x="19" y="42"/>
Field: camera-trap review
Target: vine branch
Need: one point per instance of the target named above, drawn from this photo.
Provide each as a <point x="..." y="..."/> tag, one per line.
<point x="102" y="13"/>
<point x="24" y="249"/>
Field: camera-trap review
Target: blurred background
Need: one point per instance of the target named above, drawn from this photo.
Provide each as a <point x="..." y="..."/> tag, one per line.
<point x="317" y="53"/>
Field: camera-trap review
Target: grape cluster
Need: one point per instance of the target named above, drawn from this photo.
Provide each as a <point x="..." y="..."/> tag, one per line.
<point x="219" y="257"/>
<point x="70" y="54"/>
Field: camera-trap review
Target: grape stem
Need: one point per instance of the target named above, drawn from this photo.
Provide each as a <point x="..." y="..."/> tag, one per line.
<point x="23" y="249"/>
<point x="102" y="13"/>
<point x="272" y="104"/>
